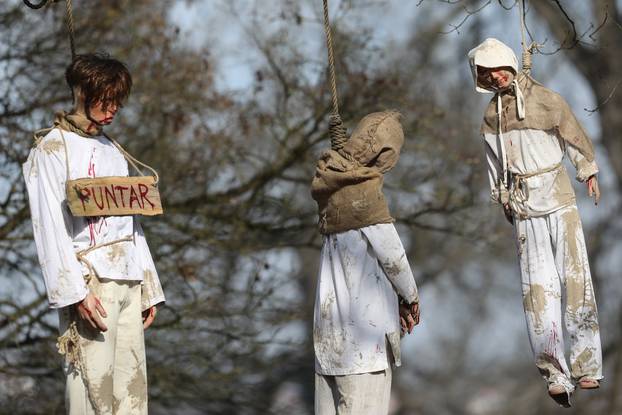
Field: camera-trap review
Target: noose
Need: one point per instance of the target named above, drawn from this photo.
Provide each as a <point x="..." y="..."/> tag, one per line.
<point x="527" y="50"/>
<point x="69" y="19"/>
<point x="336" y="130"/>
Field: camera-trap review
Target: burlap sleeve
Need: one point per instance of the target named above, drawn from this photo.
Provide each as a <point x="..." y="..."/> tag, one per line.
<point x="571" y="131"/>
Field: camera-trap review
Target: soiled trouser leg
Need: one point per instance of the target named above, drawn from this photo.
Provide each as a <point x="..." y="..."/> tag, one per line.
<point x="362" y="394"/>
<point x="580" y="316"/>
<point x="90" y="385"/>
<point x="326" y="395"/>
<point x="542" y="299"/>
<point x="130" y="371"/>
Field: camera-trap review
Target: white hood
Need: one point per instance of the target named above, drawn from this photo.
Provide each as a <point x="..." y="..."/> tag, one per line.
<point x="491" y="53"/>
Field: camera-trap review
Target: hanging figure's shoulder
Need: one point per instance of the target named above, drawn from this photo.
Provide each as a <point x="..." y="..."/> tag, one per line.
<point x="48" y="156"/>
<point x="544" y="98"/>
<point x="49" y="141"/>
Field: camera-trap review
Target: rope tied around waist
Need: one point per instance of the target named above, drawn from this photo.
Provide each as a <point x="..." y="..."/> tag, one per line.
<point x="81" y="255"/>
<point x="519" y="191"/>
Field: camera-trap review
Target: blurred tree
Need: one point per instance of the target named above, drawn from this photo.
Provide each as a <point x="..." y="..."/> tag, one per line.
<point x="237" y="248"/>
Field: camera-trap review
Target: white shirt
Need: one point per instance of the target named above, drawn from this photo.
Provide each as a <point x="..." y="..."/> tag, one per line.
<point x="59" y="235"/>
<point x="362" y="271"/>
<point x="529" y="151"/>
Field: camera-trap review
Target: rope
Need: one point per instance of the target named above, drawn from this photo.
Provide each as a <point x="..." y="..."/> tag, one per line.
<point x="81" y="255"/>
<point x="336" y="130"/>
<point x="132" y="160"/>
<point x="70" y="28"/>
<point x="527" y="50"/>
<point x="69" y="19"/>
<point x="519" y="191"/>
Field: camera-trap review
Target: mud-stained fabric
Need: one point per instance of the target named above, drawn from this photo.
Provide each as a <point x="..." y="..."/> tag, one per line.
<point x="539" y="184"/>
<point x="363" y="394"/>
<point x="361" y="273"/>
<point x="152" y="292"/>
<point x="347" y="185"/>
<point x="554" y="271"/>
<point x="539" y="107"/>
<point x="544" y="110"/>
<point x="111" y="377"/>
<point x="532" y="117"/>
<point x="59" y="235"/>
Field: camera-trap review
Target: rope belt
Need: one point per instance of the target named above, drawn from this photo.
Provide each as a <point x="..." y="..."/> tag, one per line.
<point x="519" y="191"/>
<point x="81" y="255"/>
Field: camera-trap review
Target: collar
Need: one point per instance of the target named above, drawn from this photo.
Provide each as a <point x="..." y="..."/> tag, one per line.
<point x="76" y="123"/>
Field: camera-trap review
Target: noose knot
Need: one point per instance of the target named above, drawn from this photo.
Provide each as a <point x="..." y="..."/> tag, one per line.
<point x="526" y="59"/>
<point x="337" y="132"/>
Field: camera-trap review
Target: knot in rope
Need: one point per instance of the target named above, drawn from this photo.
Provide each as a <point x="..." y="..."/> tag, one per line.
<point x="337" y="132"/>
<point x="336" y="129"/>
<point x="526" y="57"/>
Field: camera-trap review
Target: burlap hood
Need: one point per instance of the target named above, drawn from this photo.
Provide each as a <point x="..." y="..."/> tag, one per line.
<point x="542" y="108"/>
<point x="348" y="183"/>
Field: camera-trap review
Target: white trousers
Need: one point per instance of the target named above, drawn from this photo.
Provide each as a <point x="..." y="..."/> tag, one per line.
<point x="362" y="394"/>
<point x="555" y="273"/>
<point x="106" y="373"/>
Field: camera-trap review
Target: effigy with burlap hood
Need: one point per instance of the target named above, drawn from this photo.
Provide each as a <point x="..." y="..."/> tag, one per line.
<point x="348" y="182"/>
<point x="366" y="295"/>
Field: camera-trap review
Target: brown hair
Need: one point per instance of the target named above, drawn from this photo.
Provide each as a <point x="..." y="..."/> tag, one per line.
<point x="100" y="78"/>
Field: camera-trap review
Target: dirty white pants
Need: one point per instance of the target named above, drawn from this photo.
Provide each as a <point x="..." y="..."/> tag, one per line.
<point x="112" y="377"/>
<point x="362" y="394"/>
<point x="555" y="273"/>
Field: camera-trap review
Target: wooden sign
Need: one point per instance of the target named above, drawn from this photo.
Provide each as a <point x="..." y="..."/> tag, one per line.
<point x="114" y="196"/>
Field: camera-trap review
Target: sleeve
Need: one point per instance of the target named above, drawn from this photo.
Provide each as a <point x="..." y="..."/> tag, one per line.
<point x="498" y="193"/>
<point x="388" y="248"/>
<point x="152" y="293"/>
<point x="585" y="169"/>
<point x="45" y="176"/>
<point x="576" y="143"/>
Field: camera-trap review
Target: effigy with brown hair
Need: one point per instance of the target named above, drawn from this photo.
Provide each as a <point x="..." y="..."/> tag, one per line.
<point x="97" y="266"/>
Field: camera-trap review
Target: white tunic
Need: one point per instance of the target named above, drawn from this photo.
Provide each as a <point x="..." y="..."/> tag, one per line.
<point x="531" y="151"/>
<point x="59" y="235"/>
<point x="362" y="271"/>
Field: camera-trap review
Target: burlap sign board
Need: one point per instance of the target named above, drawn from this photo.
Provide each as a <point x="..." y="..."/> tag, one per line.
<point x="114" y="196"/>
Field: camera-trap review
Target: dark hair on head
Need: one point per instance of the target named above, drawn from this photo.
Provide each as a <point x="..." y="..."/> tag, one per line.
<point x="100" y="78"/>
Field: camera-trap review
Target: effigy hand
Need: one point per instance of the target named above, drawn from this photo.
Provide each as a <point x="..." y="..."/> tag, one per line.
<point x="593" y="190"/>
<point x="507" y="211"/>
<point x="148" y="316"/>
<point x="91" y="310"/>
<point x="409" y="316"/>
